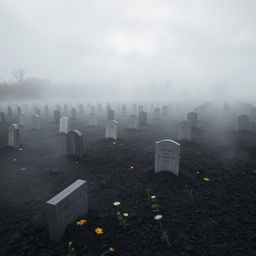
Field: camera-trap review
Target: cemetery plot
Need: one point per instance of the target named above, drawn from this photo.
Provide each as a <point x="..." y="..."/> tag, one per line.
<point x="205" y="199"/>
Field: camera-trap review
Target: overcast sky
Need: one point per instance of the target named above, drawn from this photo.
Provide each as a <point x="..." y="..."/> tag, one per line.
<point x="187" y="42"/>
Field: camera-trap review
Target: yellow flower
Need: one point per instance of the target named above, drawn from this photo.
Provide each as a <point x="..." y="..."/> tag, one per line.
<point x="126" y="214"/>
<point x="99" y="231"/>
<point x="116" y="203"/>
<point x="111" y="249"/>
<point x="114" y="142"/>
<point x="206" y="179"/>
<point x="81" y="222"/>
<point x="131" y="167"/>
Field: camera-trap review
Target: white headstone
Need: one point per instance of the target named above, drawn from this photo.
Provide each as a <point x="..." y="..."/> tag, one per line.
<point x="13" y="135"/>
<point x="184" y="130"/>
<point x="64" y="125"/>
<point x="111" y="129"/>
<point x="66" y="207"/>
<point x="167" y="156"/>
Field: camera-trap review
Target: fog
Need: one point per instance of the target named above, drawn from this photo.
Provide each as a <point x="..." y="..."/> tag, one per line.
<point x="131" y="49"/>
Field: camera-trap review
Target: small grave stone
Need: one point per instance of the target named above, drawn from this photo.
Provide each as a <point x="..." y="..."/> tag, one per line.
<point x="184" y="130"/>
<point x="111" y="129"/>
<point x="167" y="156"/>
<point x="13" y="135"/>
<point x="64" y="125"/>
<point x="75" y="143"/>
<point x="66" y="207"/>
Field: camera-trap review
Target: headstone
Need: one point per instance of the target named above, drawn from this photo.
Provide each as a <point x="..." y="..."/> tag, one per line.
<point x="93" y="120"/>
<point x="21" y="119"/>
<point x="36" y="122"/>
<point x="133" y="122"/>
<point x="157" y="113"/>
<point x="64" y="125"/>
<point x="37" y="111"/>
<point x="243" y="123"/>
<point x="75" y="143"/>
<point x="111" y="129"/>
<point x="111" y="114"/>
<point x="66" y="207"/>
<point x="13" y="135"/>
<point x="192" y="118"/>
<point x="143" y="118"/>
<point x="73" y="113"/>
<point x="167" y="156"/>
<point x="184" y="130"/>
<point x="56" y="116"/>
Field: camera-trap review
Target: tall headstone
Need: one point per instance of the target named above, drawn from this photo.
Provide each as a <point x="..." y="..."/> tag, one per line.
<point x="193" y="118"/>
<point x="167" y="156"/>
<point x="111" y="129"/>
<point x="13" y="135"/>
<point x="36" y="122"/>
<point x="64" y="125"/>
<point x="75" y="143"/>
<point x="243" y="123"/>
<point x="133" y="122"/>
<point x="184" y="131"/>
<point x="66" y="207"/>
<point x="143" y="118"/>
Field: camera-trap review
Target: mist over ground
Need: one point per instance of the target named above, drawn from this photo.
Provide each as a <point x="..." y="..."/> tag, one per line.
<point x="117" y="50"/>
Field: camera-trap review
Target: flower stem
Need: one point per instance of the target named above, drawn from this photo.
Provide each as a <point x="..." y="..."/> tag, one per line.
<point x="164" y="234"/>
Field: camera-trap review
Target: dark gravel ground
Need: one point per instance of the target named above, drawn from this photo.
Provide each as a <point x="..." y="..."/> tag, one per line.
<point x="202" y="218"/>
